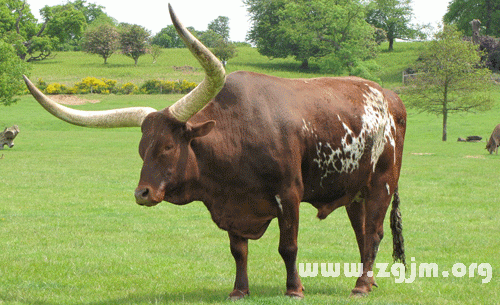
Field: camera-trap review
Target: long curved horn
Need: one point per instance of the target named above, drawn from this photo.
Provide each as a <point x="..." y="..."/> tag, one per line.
<point x="124" y="117"/>
<point x="214" y="80"/>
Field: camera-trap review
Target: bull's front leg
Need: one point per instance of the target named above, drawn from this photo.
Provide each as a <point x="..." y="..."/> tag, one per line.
<point x="289" y="227"/>
<point x="239" y="250"/>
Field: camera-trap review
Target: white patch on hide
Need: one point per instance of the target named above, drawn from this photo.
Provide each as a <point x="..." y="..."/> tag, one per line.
<point x="340" y="160"/>
<point x="278" y="201"/>
<point x="378" y="126"/>
<point x="388" y="188"/>
<point x="378" y="123"/>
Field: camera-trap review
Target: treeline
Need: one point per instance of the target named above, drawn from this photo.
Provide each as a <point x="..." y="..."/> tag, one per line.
<point x="79" y="25"/>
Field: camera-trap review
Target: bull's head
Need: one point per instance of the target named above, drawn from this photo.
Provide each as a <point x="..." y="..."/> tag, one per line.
<point x="164" y="147"/>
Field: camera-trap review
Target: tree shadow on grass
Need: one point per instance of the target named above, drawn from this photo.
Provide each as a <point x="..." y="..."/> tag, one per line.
<point x="283" y="67"/>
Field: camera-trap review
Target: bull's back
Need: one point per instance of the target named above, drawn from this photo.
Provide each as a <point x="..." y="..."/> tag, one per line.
<point x="306" y="128"/>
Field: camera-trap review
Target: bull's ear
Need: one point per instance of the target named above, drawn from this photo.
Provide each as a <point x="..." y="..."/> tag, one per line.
<point x="201" y="129"/>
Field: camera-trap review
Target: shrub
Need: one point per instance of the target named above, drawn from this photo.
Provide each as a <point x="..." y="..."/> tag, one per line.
<point x="94" y="85"/>
<point x="106" y="86"/>
<point x="152" y="87"/>
<point x="56" y="88"/>
<point x="42" y="85"/>
<point x="184" y="86"/>
<point x="164" y="87"/>
<point x="129" y="88"/>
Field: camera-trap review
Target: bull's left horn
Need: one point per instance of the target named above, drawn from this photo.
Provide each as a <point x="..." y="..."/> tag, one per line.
<point x="124" y="117"/>
<point x="214" y="80"/>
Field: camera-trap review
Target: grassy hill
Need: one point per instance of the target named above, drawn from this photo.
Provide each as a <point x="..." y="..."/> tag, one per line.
<point x="70" y="67"/>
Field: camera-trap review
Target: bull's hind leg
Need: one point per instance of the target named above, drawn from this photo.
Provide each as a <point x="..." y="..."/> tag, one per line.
<point x="367" y="219"/>
<point x="289" y="226"/>
<point x="239" y="250"/>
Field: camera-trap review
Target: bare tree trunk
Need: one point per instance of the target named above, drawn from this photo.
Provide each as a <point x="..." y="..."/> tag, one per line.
<point x="391" y="44"/>
<point x="305" y="64"/>
<point x="445" y="112"/>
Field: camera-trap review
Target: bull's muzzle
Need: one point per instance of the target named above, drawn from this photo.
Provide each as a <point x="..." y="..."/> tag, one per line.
<point x="143" y="197"/>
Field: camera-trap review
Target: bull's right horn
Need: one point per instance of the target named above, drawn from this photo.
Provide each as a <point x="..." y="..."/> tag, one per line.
<point x="124" y="117"/>
<point x="214" y="80"/>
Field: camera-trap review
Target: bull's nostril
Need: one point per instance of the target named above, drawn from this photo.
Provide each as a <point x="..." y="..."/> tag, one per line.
<point x="141" y="195"/>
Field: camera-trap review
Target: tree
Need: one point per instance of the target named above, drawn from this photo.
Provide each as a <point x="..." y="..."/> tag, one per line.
<point x="102" y="39"/>
<point x="450" y="78"/>
<point x="210" y="38"/>
<point x="11" y="70"/>
<point x="220" y="25"/>
<point x="168" y="37"/>
<point x="35" y="41"/>
<point x="20" y="28"/>
<point x="91" y="11"/>
<point x="462" y="12"/>
<point x="224" y="50"/>
<point x="63" y="22"/>
<point x="309" y="29"/>
<point x="155" y="52"/>
<point x="394" y="17"/>
<point x="134" y="41"/>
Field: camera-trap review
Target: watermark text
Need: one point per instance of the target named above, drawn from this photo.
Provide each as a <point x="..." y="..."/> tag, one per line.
<point x="397" y="270"/>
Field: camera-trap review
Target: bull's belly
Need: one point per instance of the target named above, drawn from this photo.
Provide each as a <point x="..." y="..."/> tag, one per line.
<point x="247" y="216"/>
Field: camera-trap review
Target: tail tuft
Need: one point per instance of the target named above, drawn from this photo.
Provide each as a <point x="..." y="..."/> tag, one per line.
<point x="398" y="253"/>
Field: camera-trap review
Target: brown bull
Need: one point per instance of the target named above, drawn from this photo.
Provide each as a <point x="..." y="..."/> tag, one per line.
<point x="252" y="147"/>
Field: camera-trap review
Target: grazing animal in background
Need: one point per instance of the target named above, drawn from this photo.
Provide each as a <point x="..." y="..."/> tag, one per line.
<point x="7" y="136"/>
<point x="252" y="147"/>
<point x="494" y="141"/>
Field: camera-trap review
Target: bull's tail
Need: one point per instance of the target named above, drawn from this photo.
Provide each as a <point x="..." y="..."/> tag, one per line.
<point x="398" y="253"/>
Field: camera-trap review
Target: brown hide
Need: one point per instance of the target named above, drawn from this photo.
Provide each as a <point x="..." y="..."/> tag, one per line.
<point x="277" y="142"/>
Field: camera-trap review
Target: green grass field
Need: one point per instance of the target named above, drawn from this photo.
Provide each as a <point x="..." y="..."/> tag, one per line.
<point x="71" y="233"/>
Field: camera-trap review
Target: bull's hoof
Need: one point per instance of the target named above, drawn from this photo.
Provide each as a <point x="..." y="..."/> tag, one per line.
<point x="236" y="295"/>
<point x="294" y="294"/>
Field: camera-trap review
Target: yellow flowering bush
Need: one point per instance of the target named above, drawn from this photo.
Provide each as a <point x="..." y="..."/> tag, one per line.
<point x="94" y="85"/>
<point x="129" y="88"/>
<point x="56" y="88"/>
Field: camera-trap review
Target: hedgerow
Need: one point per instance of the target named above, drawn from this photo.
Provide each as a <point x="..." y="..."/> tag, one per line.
<point x="107" y="86"/>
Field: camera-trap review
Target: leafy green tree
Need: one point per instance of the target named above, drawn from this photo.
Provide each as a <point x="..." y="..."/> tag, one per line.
<point x="224" y="50"/>
<point x="210" y="38"/>
<point x="102" y="40"/>
<point x="11" y="70"/>
<point x="220" y="25"/>
<point x="91" y="11"/>
<point x="155" y="51"/>
<point x="394" y="17"/>
<point x="309" y="29"/>
<point x="168" y="38"/>
<point x="134" y="41"/>
<point x="462" y="12"/>
<point x="35" y="41"/>
<point x="450" y="78"/>
<point x="63" y="22"/>
<point x="20" y="28"/>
